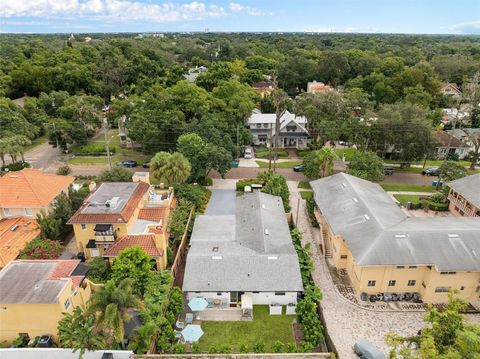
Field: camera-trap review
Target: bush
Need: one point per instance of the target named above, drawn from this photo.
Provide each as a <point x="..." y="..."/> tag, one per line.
<point x="179" y="218"/>
<point x="196" y="194"/>
<point x="243" y="348"/>
<point x="366" y="165"/>
<point x="170" y="258"/>
<point x="259" y="346"/>
<point x="17" y="166"/>
<point x="41" y="249"/>
<point x="116" y="174"/>
<point x="100" y="271"/>
<point x="241" y="184"/>
<point x="440" y="207"/>
<point x="276" y="185"/>
<point x="94" y="149"/>
<point x="310" y="202"/>
<point x="64" y="170"/>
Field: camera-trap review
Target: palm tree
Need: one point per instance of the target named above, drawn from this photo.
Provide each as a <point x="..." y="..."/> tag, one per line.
<point x="170" y="167"/>
<point x="77" y="330"/>
<point x="326" y="156"/>
<point x="112" y="304"/>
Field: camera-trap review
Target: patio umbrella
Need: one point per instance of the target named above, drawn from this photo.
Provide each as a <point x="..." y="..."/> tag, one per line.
<point x="192" y="333"/>
<point x="197" y="304"/>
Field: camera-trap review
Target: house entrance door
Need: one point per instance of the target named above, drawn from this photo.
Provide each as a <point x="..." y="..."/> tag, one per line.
<point x="233" y="297"/>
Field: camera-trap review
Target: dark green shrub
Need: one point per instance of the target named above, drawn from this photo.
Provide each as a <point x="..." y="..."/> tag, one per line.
<point x="311" y="212"/>
<point x="259" y="346"/>
<point x="94" y="149"/>
<point x="100" y="271"/>
<point x="41" y="249"/>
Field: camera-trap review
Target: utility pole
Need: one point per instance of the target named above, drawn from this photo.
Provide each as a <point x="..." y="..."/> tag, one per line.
<point x="107" y="142"/>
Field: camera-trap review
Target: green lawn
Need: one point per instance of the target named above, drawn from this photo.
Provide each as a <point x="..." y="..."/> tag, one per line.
<point x="306" y="194"/>
<point x="431" y="163"/>
<point x="406" y="187"/>
<point x="404" y="198"/>
<point x="288" y="164"/>
<point x="265" y="327"/>
<point x="304" y="185"/>
<point x="349" y="152"/>
<point x="35" y="143"/>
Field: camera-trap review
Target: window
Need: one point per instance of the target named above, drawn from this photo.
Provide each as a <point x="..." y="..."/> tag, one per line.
<point x="344" y="256"/>
<point x="219" y="293"/>
<point x="67" y="303"/>
<point x="391" y="283"/>
<point x="259" y="125"/>
<point x="412" y="266"/>
<point x="75" y="291"/>
<point x="412" y="282"/>
<point x="28" y="212"/>
<point x="448" y="272"/>
<point x="462" y="288"/>
<point x="478" y="289"/>
<point x="7" y="212"/>
<point x="84" y="226"/>
<point x="279" y="293"/>
<point x="423" y="285"/>
<point x="442" y="289"/>
<point x="372" y="283"/>
<point x="255" y="292"/>
<point x="400" y="267"/>
<point x="265" y="125"/>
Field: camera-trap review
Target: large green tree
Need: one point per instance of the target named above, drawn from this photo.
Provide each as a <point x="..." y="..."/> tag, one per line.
<point x="319" y="163"/>
<point x="366" y="165"/>
<point x="170" y="168"/>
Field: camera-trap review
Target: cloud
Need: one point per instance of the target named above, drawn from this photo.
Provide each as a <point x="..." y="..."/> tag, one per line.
<point x="472" y="27"/>
<point x="235" y="7"/>
<point x="116" y="10"/>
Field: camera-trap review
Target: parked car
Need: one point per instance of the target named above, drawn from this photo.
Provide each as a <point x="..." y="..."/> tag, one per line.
<point x="366" y="350"/>
<point x="129" y="163"/>
<point x="432" y="171"/>
<point x="388" y="170"/>
<point x="298" y="168"/>
<point x="146" y="165"/>
<point x="248" y="153"/>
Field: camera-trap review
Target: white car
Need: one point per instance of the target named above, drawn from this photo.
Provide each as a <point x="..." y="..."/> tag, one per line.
<point x="248" y="153"/>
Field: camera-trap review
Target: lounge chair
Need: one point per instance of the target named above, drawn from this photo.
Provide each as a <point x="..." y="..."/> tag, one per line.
<point x="224" y="304"/>
<point x="210" y="302"/>
<point x="189" y="318"/>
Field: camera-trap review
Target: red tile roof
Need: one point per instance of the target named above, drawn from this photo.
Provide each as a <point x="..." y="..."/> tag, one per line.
<point x="152" y="214"/>
<point x="12" y="242"/>
<point x="31" y="188"/>
<point x="121" y="217"/>
<point x="63" y="269"/>
<point x="144" y="241"/>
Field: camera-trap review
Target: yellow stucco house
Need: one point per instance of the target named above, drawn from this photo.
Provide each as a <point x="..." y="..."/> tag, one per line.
<point x="464" y="196"/>
<point x="34" y="294"/>
<point x="119" y="215"/>
<point x="383" y="250"/>
<point x="27" y="192"/>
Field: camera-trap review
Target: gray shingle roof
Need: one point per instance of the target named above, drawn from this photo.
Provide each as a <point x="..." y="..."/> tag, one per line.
<point x="468" y="187"/>
<point x="235" y="253"/>
<point x="378" y="232"/>
<point x="28" y="282"/>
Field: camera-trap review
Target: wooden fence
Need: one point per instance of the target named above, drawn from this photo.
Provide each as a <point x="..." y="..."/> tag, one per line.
<point x="181" y="248"/>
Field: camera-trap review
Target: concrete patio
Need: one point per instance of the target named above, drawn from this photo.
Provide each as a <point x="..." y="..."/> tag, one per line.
<point x="217" y="314"/>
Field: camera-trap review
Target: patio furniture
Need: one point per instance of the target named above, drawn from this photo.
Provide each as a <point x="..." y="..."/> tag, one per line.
<point x="210" y="303"/>
<point x="192" y="333"/>
<point x="179" y="324"/>
<point x="216" y="302"/>
<point x="189" y="318"/>
<point x="197" y="304"/>
<point x="224" y="304"/>
<point x="178" y="335"/>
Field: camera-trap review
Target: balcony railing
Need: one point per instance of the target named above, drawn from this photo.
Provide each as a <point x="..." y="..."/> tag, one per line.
<point x="104" y="233"/>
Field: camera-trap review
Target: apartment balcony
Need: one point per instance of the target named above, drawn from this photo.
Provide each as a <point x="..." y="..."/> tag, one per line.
<point x="463" y="205"/>
<point x="159" y="198"/>
<point x="105" y="234"/>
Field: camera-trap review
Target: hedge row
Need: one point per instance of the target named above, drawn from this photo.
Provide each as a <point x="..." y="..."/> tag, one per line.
<point x="94" y="149"/>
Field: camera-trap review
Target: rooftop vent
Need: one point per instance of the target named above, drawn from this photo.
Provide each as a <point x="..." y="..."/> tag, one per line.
<point x="344" y="184"/>
<point x="215" y="249"/>
<point x="266" y="231"/>
<point x="263" y="206"/>
<point x="355" y="199"/>
<point x="453" y="236"/>
<point x="400" y="236"/>
<point x="14" y="228"/>
<point x="216" y="257"/>
<point x="366" y="217"/>
<point x="272" y="257"/>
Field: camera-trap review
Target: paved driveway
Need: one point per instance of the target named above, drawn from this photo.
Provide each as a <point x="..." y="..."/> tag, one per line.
<point x="221" y="202"/>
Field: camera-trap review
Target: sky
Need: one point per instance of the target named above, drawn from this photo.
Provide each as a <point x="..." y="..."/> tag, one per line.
<point x="357" y="16"/>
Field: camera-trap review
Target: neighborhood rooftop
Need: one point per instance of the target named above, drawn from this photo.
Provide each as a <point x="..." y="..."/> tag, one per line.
<point x="40" y="281"/>
<point x="250" y="250"/>
<point x="379" y="233"/>
<point x="112" y="202"/>
<point x="469" y="188"/>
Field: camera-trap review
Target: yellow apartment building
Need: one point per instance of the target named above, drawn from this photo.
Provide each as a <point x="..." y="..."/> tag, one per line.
<point x="27" y="192"/>
<point x="119" y="215"/>
<point x="35" y="293"/>
<point x="384" y="251"/>
<point x="464" y="196"/>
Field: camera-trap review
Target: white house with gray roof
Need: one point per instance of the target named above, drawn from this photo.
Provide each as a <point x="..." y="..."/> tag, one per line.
<point x="464" y="196"/>
<point x="248" y="252"/>
<point x="293" y="129"/>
